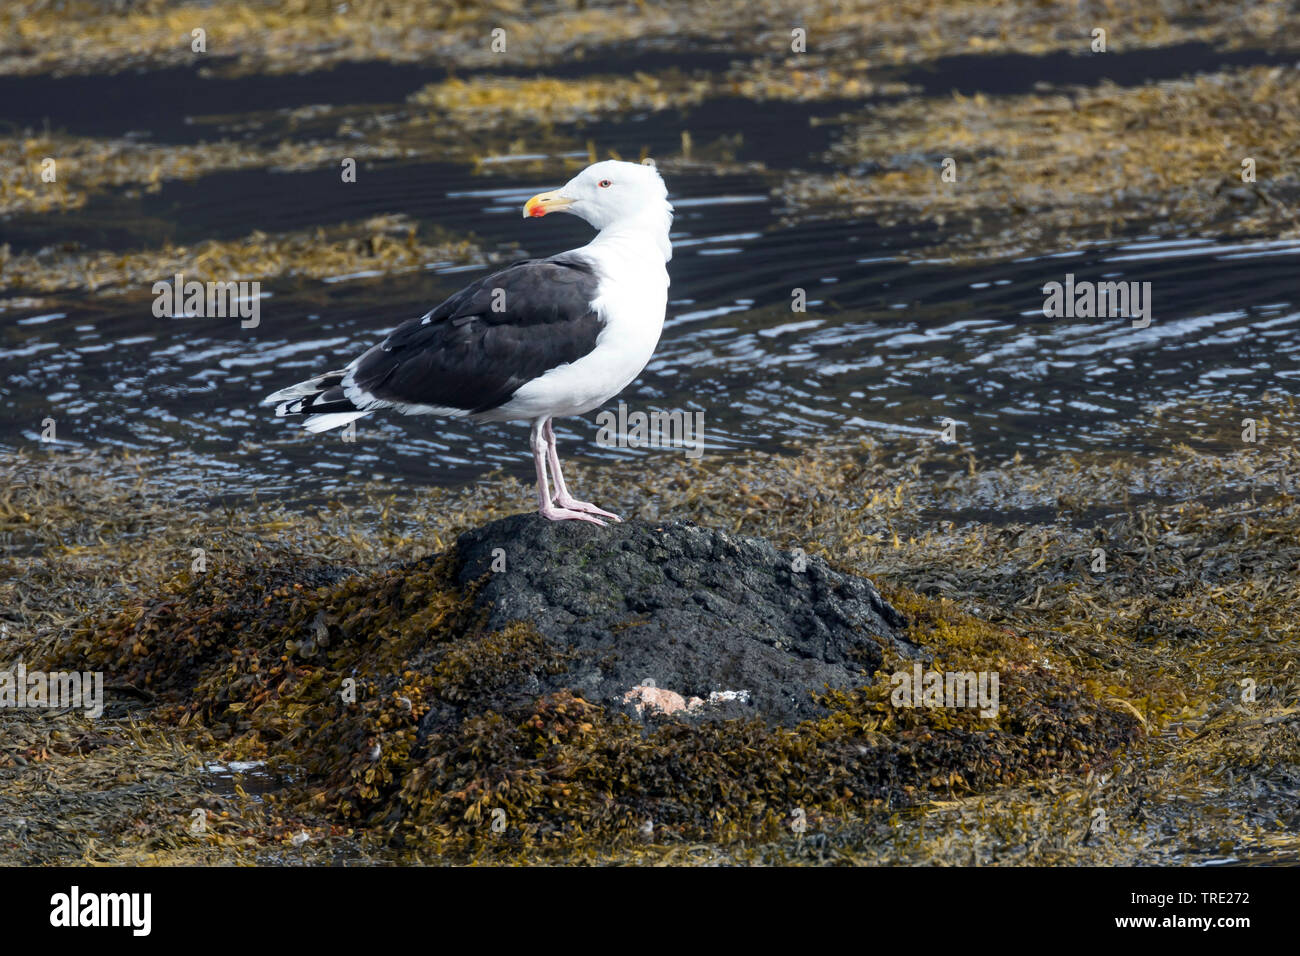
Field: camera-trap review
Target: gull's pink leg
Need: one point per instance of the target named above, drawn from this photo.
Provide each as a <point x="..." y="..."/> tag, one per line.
<point x="546" y="508"/>
<point x="562" y="496"/>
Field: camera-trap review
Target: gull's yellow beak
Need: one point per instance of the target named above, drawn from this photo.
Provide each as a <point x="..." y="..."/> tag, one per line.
<point x="543" y="203"/>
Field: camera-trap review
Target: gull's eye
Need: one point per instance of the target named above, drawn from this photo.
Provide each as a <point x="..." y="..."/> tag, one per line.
<point x="605" y="184"/>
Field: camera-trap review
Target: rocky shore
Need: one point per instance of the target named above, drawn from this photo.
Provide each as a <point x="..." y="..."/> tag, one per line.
<point x="363" y="675"/>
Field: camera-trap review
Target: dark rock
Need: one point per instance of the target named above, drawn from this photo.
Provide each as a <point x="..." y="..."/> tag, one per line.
<point x="694" y="609"/>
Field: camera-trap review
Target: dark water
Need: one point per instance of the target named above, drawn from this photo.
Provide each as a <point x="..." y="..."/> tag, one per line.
<point x="893" y="340"/>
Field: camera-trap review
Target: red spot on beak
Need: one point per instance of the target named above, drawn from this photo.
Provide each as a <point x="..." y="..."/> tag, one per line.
<point x="543" y="203"/>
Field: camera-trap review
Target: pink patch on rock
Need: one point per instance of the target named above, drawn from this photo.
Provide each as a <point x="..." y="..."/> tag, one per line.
<point x="661" y="700"/>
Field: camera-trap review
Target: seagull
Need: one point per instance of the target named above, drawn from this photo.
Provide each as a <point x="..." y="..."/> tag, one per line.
<point x="541" y="338"/>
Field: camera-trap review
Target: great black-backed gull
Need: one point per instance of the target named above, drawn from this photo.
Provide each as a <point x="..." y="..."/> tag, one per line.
<point x="540" y="338"/>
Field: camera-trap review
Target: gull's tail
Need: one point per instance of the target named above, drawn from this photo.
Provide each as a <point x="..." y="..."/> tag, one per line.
<point x="322" y="398"/>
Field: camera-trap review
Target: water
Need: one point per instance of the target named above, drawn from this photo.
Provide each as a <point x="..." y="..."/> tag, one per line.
<point x="894" y="341"/>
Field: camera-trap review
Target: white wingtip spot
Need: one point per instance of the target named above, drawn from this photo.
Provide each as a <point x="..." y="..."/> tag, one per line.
<point x="323" y="423"/>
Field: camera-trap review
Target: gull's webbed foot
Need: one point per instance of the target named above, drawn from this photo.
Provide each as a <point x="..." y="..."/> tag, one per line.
<point x="553" y="513"/>
<point x="586" y="507"/>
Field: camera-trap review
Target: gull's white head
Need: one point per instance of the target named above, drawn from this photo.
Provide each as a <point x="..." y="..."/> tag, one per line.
<point x="609" y="193"/>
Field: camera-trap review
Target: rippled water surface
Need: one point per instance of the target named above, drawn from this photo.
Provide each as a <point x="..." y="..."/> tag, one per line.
<point x="893" y="340"/>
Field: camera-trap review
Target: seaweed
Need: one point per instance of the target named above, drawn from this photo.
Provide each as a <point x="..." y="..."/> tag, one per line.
<point x="1123" y="690"/>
